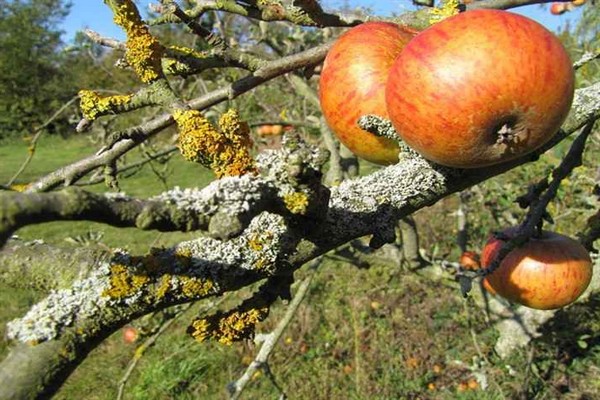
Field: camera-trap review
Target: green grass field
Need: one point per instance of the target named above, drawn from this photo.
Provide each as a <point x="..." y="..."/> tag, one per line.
<point x="376" y="333"/>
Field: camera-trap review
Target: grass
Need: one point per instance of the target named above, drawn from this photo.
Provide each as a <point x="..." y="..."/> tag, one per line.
<point x="374" y="333"/>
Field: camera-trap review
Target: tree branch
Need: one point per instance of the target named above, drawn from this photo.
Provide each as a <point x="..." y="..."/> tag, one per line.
<point x="72" y="173"/>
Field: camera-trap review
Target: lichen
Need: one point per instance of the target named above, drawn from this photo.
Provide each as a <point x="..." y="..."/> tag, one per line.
<point x="47" y="319"/>
<point x="227" y="328"/>
<point x="143" y="52"/>
<point x="19" y="187"/>
<point x="296" y="202"/>
<point x="186" y="51"/>
<point x="163" y="286"/>
<point x="124" y="282"/>
<point x="93" y="105"/>
<point x="191" y="270"/>
<point x="226" y="152"/>
<point x="448" y="9"/>
<point x="193" y="287"/>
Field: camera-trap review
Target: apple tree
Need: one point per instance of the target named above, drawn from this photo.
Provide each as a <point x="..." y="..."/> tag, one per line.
<point x="267" y="213"/>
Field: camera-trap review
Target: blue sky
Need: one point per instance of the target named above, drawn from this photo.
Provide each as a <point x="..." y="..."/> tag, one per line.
<point x="94" y="14"/>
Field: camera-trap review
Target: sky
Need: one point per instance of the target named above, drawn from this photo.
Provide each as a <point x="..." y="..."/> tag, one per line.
<point x="94" y="14"/>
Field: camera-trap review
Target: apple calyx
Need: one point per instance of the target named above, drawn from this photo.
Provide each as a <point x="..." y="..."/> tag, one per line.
<point x="506" y="134"/>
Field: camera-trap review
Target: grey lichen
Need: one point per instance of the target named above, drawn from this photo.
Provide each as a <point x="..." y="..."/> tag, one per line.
<point x="586" y="103"/>
<point x="394" y="186"/>
<point x="258" y="248"/>
<point x="188" y="271"/>
<point x="48" y="318"/>
<point x="229" y="194"/>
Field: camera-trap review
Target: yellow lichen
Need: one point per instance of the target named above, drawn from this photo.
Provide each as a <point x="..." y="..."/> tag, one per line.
<point x="163" y="287"/>
<point x="172" y="66"/>
<point x="255" y="243"/>
<point x="227" y="152"/>
<point x="123" y="282"/>
<point x="448" y="9"/>
<point x="195" y="287"/>
<point x="143" y="52"/>
<point x="93" y="105"/>
<point x="19" y="187"/>
<point x="184" y="257"/>
<point x="296" y="202"/>
<point x="186" y="51"/>
<point x="228" y="328"/>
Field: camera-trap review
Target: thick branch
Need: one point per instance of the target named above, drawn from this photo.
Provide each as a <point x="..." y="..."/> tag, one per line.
<point x="20" y="209"/>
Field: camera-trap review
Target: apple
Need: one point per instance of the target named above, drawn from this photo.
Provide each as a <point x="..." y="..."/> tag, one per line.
<point x="547" y="272"/>
<point x="130" y="334"/>
<point x="480" y="88"/>
<point x="270" y="130"/>
<point x="352" y="84"/>
<point x="558" y="8"/>
<point x="578" y="3"/>
<point x="469" y="260"/>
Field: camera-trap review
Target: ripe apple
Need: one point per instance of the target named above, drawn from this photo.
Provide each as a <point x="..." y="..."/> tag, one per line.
<point x="130" y="334"/>
<point x="352" y="84"/>
<point x="270" y="130"/>
<point x="578" y="3"/>
<point x="480" y="88"/>
<point x="558" y="8"/>
<point x="547" y="272"/>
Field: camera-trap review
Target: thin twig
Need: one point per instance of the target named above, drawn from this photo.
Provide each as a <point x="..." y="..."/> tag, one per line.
<point x="38" y="133"/>
<point x="260" y="361"/>
<point x="99" y="178"/>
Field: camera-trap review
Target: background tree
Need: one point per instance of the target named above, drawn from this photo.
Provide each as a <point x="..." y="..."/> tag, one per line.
<point x="32" y="78"/>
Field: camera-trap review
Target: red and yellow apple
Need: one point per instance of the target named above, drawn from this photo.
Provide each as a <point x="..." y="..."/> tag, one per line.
<point x="558" y="8"/>
<point x="352" y="84"/>
<point x="547" y="272"/>
<point x="480" y="88"/>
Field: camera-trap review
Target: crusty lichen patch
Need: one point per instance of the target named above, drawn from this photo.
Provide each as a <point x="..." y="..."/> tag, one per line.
<point x="93" y="105"/>
<point x="226" y="152"/>
<point x="123" y="282"/>
<point x="143" y="52"/>
<point x="296" y="202"/>
<point x="227" y="328"/>
<point x="447" y="9"/>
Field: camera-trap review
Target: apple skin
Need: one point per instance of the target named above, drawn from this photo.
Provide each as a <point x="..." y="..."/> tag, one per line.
<point x="352" y="84"/>
<point x="546" y="273"/>
<point x="457" y="83"/>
